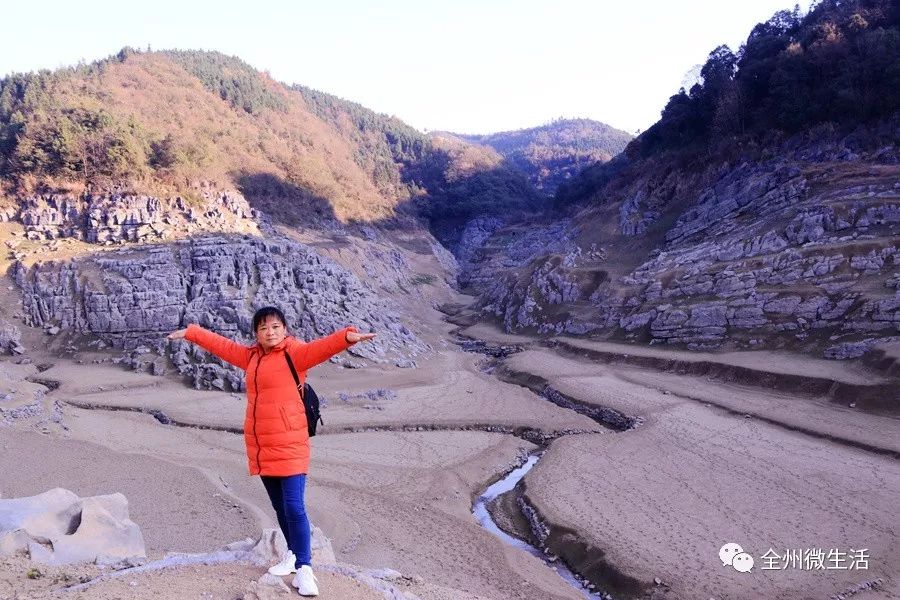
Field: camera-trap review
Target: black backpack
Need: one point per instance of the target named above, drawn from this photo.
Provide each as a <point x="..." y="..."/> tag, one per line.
<point x="309" y="398"/>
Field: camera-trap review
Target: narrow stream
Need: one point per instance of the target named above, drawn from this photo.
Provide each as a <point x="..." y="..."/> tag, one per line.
<point x="481" y="513"/>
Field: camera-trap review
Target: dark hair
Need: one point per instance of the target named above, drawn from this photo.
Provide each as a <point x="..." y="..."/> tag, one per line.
<point x="267" y="311"/>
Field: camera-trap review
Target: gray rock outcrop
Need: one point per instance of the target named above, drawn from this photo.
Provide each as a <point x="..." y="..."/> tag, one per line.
<point x="10" y="338"/>
<point x="59" y="528"/>
<point x="113" y="217"/>
<point x="755" y="254"/>
<point x="132" y="298"/>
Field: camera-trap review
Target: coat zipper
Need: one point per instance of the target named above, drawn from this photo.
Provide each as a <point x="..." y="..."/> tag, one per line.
<point x="255" y="402"/>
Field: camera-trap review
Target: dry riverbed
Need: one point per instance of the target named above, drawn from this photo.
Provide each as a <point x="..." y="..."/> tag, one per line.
<point x="685" y="464"/>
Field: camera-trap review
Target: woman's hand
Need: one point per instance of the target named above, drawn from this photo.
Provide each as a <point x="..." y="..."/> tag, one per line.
<point x="354" y="336"/>
<point x="177" y="335"/>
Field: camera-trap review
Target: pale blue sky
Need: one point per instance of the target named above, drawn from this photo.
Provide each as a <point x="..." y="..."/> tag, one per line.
<point x="471" y="66"/>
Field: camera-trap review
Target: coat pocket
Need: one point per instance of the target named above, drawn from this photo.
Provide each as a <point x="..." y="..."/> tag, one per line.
<point x="286" y="419"/>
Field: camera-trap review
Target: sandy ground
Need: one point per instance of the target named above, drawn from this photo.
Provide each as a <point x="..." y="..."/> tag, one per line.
<point x="177" y="507"/>
<point x="447" y="389"/>
<point x="413" y="488"/>
<point x="769" y="361"/>
<point x="202" y="582"/>
<point x="650" y="394"/>
<point x="658" y="501"/>
<point x="661" y="499"/>
<point x="400" y="500"/>
<point x="378" y="494"/>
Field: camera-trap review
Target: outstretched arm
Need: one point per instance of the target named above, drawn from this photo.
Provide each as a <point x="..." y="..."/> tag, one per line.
<point x="228" y="350"/>
<point x="306" y="355"/>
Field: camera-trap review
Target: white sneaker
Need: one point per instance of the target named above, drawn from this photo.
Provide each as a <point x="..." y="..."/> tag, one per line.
<point x="305" y="582"/>
<point x="286" y="566"/>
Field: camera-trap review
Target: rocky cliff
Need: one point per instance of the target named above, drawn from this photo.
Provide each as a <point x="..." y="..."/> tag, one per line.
<point x="108" y="218"/>
<point x="130" y="298"/>
<point x="761" y="210"/>
<point x="795" y="251"/>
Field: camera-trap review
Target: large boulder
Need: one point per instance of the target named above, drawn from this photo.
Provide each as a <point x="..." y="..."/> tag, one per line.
<point x="50" y="515"/>
<point x="59" y="528"/>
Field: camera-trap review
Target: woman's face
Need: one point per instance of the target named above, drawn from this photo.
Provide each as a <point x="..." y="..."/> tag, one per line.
<point x="270" y="332"/>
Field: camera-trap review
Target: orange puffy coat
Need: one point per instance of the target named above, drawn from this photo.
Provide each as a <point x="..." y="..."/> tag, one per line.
<point x="275" y="422"/>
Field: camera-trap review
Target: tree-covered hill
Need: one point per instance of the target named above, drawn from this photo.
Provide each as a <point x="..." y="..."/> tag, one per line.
<point x="553" y="153"/>
<point x="162" y="122"/>
<point x="826" y="72"/>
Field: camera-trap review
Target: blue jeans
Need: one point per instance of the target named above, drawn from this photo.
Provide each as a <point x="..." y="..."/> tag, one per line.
<point x="286" y="494"/>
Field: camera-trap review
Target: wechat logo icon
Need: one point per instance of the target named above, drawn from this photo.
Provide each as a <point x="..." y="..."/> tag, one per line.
<point x="732" y="554"/>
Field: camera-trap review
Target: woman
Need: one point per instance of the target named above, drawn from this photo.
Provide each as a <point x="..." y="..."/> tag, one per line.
<point x="275" y="429"/>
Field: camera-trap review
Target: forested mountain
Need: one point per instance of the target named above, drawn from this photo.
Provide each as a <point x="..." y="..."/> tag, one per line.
<point x="171" y="122"/>
<point x="822" y="73"/>
<point x="553" y="153"/>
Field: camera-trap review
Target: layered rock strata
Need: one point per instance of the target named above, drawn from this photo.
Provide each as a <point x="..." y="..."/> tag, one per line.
<point x="131" y="298"/>
<point x="770" y="254"/>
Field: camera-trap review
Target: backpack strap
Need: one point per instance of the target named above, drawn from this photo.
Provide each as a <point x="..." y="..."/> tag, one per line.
<point x="294" y="373"/>
<point x="313" y="416"/>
